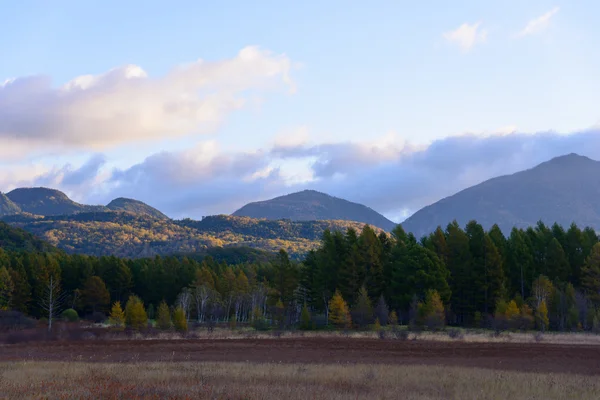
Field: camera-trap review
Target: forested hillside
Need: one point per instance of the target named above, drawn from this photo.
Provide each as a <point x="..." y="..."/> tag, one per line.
<point x="125" y="234"/>
<point x="542" y="277"/>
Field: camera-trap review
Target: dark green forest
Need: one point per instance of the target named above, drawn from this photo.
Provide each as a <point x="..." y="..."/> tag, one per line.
<point x="544" y="277"/>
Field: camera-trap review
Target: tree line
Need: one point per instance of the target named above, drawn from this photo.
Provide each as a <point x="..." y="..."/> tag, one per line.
<point x="541" y="277"/>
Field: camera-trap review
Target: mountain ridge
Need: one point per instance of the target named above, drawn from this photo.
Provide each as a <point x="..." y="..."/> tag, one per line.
<point x="309" y="205"/>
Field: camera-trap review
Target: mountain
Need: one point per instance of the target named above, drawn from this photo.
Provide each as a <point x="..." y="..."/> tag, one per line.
<point x="565" y="189"/>
<point x="44" y="201"/>
<point x="7" y="206"/>
<point x="135" y="207"/>
<point x="129" y="235"/>
<point x="310" y="205"/>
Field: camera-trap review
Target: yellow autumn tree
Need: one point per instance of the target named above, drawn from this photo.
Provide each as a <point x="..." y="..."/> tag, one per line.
<point x="117" y="316"/>
<point x="432" y="313"/>
<point x="541" y="316"/>
<point x="163" y="316"/>
<point x="339" y="315"/>
<point x="135" y="314"/>
<point x="179" y="320"/>
<point x="393" y="319"/>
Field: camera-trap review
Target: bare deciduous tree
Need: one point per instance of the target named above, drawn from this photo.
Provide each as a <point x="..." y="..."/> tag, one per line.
<point x="52" y="300"/>
<point x="201" y="295"/>
<point x="184" y="300"/>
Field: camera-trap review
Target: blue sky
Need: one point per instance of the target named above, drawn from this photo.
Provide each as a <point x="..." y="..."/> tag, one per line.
<point x="352" y="91"/>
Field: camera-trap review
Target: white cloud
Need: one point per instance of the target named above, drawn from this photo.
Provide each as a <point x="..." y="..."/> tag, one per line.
<point x="467" y="36"/>
<point x="125" y="105"/>
<point x="538" y="24"/>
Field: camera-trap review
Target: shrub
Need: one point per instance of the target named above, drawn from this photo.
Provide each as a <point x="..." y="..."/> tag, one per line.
<point x="455" y="333"/>
<point x="320" y="321"/>
<point x="179" y="321"/>
<point x="538" y="337"/>
<point x="400" y="334"/>
<point x="163" y="317"/>
<point x="96" y="317"/>
<point x="15" y="320"/>
<point x="381" y="334"/>
<point x="70" y="315"/>
<point x="135" y="314"/>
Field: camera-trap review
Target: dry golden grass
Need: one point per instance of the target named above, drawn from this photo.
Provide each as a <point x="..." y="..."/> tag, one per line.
<point x="472" y="336"/>
<point x="28" y="380"/>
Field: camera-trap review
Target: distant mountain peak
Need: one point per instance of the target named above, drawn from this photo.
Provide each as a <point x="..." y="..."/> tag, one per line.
<point x="564" y="189"/>
<point x="135" y="206"/>
<point x="309" y="204"/>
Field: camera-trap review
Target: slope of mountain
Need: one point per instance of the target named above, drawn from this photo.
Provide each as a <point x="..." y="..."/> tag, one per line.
<point x="44" y="201"/>
<point x="310" y="205"/>
<point x="135" y="207"/>
<point x="7" y="206"/>
<point x="565" y="189"/>
<point x="129" y="235"/>
<point x="15" y="239"/>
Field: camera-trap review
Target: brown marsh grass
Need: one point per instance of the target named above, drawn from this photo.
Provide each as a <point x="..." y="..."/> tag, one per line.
<point x="184" y="380"/>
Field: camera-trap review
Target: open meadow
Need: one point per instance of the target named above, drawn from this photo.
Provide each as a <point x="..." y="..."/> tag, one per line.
<point x="300" y="367"/>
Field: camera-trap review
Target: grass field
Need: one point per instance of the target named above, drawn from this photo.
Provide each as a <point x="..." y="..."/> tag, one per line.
<point x="181" y="380"/>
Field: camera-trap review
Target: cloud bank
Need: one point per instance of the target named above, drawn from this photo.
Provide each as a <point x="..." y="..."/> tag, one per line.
<point x="125" y="105"/>
<point x="393" y="177"/>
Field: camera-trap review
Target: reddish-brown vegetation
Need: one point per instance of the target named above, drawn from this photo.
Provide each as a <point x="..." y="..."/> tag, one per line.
<point x="530" y="357"/>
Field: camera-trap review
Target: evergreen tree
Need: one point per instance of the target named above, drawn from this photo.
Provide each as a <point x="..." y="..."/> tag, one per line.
<point x="590" y="275"/>
<point x="352" y="271"/>
<point x="557" y="264"/>
<point x="163" y="316"/>
<point x="370" y="254"/>
<point x="459" y="266"/>
<point x="305" y="319"/>
<point x="21" y="294"/>
<point x="381" y="311"/>
<point x="520" y="263"/>
<point x="285" y="277"/>
<point x="574" y="250"/>
<point x="362" y="312"/>
<point x="477" y="292"/>
<point x="6" y="289"/>
<point x="339" y="315"/>
<point x="94" y="295"/>
<point x="415" y="271"/>
<point x="495" y="280"/>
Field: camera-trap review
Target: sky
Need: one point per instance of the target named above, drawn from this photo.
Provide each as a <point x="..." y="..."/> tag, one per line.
<point x="200" y="107"/>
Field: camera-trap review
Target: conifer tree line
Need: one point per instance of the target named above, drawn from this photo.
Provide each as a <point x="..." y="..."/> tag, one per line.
<point x="541" y="277"/>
